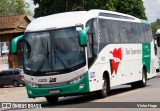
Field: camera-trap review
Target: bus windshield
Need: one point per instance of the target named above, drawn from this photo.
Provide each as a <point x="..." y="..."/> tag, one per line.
<point x="56" y="51"/>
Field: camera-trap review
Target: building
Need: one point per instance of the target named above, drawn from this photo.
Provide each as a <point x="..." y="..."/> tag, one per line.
<point x="11" y="27"/>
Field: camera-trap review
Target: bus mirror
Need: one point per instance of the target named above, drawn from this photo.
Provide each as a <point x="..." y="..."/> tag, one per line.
<point x="15" y="43"/>
<point x="83" y="36"/>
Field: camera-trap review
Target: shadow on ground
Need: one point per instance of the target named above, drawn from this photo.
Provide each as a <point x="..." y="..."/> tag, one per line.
<point x="80" y="101"/>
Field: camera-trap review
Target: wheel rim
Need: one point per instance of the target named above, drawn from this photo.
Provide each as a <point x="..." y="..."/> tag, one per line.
<point x="15" y="83"/>
<point x="144" y="77"/>
<point x="104" y="87"/>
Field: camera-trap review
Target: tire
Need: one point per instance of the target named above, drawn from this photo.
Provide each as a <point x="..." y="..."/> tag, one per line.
<point x="15" y="83"/>
<point x="141" y="83"/>
<point x="52" y="99"/>
<point x="105" y="89"/>
<point x="157" y="70"/>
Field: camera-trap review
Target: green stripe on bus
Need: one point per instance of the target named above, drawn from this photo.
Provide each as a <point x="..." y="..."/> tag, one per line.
<point x="144" y="21"/>
<point x="146" y="55"/>
<point x="66" y="89"/>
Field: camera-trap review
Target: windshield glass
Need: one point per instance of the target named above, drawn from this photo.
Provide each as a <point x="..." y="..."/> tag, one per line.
<point x="53" y="51"/>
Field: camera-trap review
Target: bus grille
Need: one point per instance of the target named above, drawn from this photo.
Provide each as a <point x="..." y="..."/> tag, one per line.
<point x="53" y="85"/>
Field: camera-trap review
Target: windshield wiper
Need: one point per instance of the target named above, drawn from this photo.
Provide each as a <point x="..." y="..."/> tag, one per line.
<point x="43" y="60"/>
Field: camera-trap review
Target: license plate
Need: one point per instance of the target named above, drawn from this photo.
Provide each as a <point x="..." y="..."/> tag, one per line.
<point x="54" y="92"/>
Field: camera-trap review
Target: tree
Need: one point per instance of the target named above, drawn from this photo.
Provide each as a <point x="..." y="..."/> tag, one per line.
<point x="101" y="4"/>
<point x="155" y="25"/>
<point x="158" y="21"/>
<point x="14" y="7"/>
<point x="47" y="7"/>
<point x="132" y="7"/>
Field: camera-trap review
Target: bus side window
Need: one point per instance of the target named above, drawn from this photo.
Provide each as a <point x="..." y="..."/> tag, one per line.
<point x="89" y="44"/>
<point x="131" y="33"/>
<point x="141" y="37"/>
<point x="111" y="31"/>
<point x="138" y="33"/>
<point x="144" y="37"/>
<point x="111" y="36"/>
<point x="104" y="40"/>
<point x="115" y="29"/>
<point x="92" y="45"/>
<point x="148" y="33"/>
<point x="128" y="32"/>
<point x="123" y="33"/>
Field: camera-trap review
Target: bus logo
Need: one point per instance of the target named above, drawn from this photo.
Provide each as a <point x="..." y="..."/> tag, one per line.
<point x="52" y="80"/>
<point x="115" y="61"/>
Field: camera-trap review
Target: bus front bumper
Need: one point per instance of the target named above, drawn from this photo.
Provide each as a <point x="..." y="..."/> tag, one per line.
<point x="71" y="89"/>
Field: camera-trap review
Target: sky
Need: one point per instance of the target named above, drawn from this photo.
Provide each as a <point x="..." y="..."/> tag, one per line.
<point x="152" y="8"/>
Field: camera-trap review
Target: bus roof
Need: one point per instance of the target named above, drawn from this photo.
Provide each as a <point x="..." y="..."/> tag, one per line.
<point x="60" y="20"/>
<point x="74" y="18"/>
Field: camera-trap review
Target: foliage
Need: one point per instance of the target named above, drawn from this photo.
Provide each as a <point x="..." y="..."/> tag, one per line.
<point x="155" y="26"/>
<point x="101" y="4"/>
<point x="132" y="7"/>
<point x="14" y="7"/>
<point x="47" y="7"/>
<point x="158" y="21"/>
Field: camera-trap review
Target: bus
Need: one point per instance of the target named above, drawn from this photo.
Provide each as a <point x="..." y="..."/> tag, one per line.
<point x="157" y="50"/>
<point x="75" y="53"/>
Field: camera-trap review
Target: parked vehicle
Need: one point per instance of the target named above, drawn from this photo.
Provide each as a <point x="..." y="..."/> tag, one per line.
<point x="13" y="77"/>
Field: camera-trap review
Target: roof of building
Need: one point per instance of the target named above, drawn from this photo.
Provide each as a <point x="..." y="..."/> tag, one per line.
<point x="13" y="24"/>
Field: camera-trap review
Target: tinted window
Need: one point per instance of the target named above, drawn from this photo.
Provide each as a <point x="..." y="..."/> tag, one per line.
<point x="92" y="46"/>
<point x="148" y="33"/>
<point x="16" y="72"/>
<point x="104" y="37"/>
<point x="92" y="36"/>
<point x="7" y="73"/>
<point x="113" y="31"/>
<point x="123" y="32"/>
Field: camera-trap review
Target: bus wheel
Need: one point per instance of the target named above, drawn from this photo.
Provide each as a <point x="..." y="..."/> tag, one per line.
<point x="105" y="89"/>
<point x="141" y="83"/>
<point x="52" y="99"/>
<point x="15" y="83"/>
<point x="157" y="70"/>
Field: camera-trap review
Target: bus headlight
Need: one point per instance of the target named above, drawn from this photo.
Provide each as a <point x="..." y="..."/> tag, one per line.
<point x="31" y="84"/>
<point x="77" y="79"/>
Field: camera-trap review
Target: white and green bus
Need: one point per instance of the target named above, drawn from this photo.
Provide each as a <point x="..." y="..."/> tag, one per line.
<point x="79" y="52"/>
<point x="157" y="49"/>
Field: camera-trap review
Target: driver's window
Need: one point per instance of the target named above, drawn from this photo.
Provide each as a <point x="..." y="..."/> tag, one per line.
<point x="92" y="38"/>
<point x="92" y="45"/>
